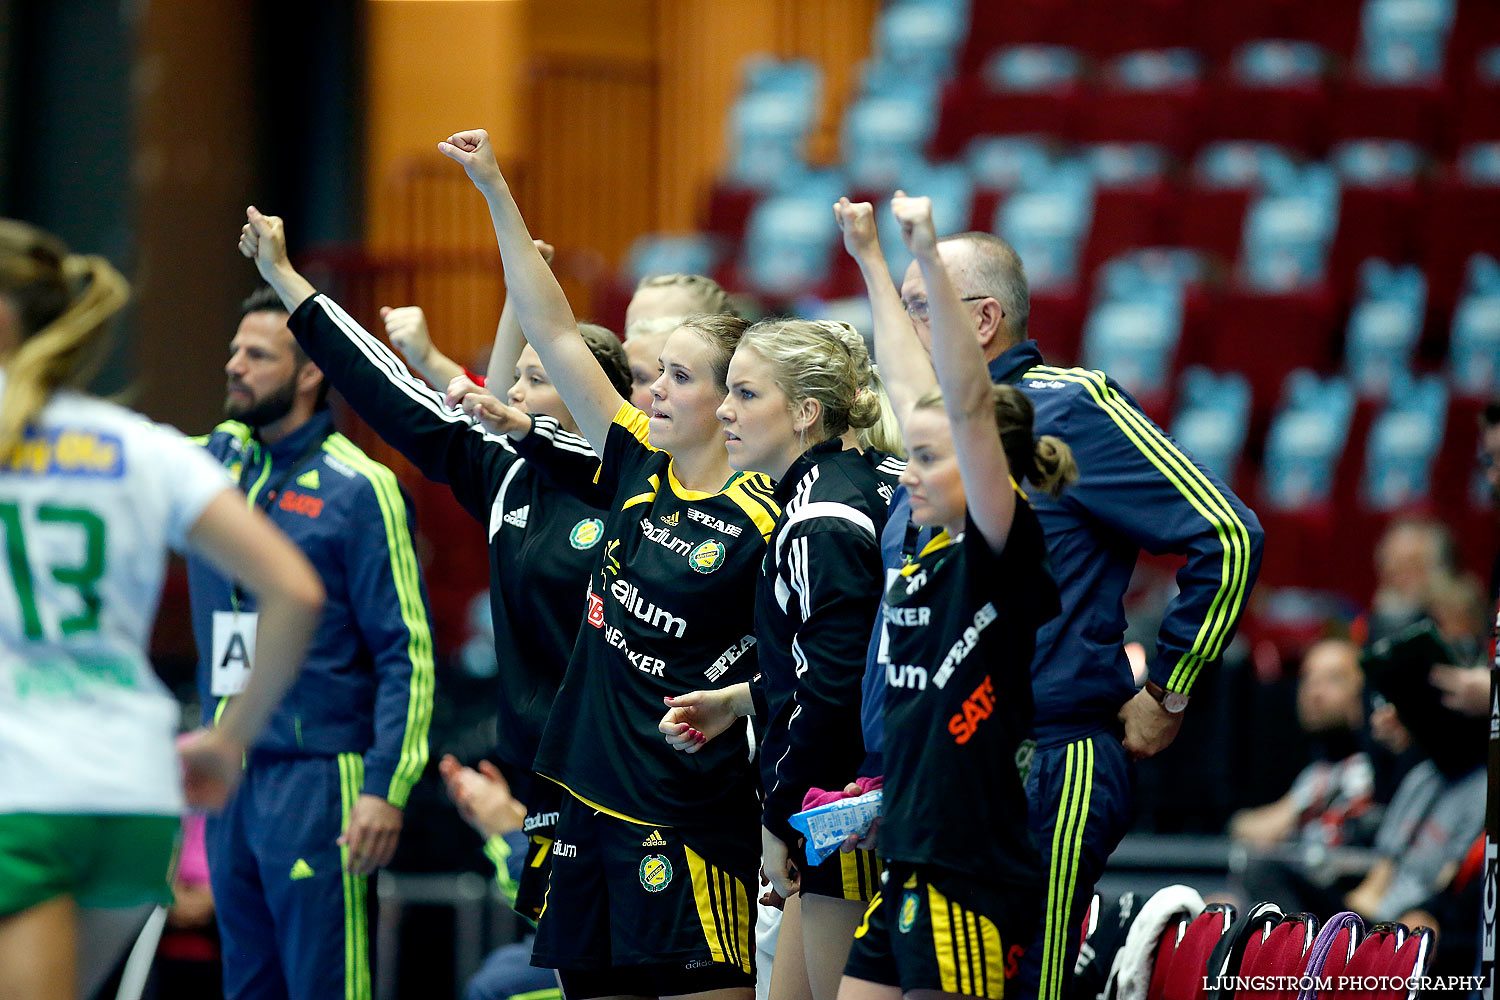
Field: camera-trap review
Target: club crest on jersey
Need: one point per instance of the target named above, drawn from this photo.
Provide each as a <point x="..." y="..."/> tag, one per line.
<point x="708" y="556"/>
<point x="656" y="872"/>
<point x="586" y="533"/>
<point x="670" y="520"/>
<point x="908" y="916"/>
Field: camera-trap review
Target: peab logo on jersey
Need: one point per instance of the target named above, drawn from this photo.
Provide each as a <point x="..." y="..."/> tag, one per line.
<point x="708" y="556"/>
<point x="656" y="872"/>
<point x="708" y="520"/>
<point x="586" y="533"/>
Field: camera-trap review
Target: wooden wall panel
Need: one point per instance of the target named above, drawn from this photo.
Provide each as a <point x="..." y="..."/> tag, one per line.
<point x="620" y="125"/>
<point x="596" y="153"/>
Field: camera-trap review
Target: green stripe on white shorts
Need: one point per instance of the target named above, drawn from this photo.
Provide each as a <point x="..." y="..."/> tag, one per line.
<point x="101" y="861"/>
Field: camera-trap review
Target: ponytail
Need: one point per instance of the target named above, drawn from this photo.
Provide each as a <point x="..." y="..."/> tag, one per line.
<point x="62" y="302"/>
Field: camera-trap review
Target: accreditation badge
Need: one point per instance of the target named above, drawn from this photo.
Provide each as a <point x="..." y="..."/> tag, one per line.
<point x="234" y="651"/>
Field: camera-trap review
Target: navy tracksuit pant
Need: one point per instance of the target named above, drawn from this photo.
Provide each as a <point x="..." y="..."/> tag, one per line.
<point x="1079" y="795"/>
<point x="293" y="924"/>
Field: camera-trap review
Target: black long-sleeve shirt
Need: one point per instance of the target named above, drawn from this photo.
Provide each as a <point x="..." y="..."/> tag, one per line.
<point x="542" y="540"/>
<point x="817" y="598"/>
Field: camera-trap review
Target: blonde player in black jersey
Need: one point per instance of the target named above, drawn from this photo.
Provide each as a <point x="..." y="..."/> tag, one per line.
<point x="655" y="856"/>
<point x="962" y="895"/>
<point x="796" y="390"/>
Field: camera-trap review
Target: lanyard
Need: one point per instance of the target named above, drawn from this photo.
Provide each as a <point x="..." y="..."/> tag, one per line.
<point x="265" y="498"/>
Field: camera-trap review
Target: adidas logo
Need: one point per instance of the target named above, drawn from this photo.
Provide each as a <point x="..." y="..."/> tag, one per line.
<point x="309" y="479"/>
<point x="670" y="520"/>
<point x="301" y="870"/>
<point x="655" y="840"/>
<point x="518" y="517"/>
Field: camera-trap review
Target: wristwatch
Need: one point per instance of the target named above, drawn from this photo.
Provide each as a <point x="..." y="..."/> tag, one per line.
<point x="1172" y="701"/>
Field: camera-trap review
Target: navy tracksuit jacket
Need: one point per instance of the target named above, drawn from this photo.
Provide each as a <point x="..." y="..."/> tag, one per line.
<point x="293" y="922"/>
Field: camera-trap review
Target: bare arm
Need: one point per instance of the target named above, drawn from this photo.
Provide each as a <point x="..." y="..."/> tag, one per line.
<point x="407" y="329"/>
<point x="244" y="545"/>
<point x="1265" y="825"/>
<point x="964" y="378"/>
<point x="540" y="304"/>
<point x="904" y="363"/>
<point x="509" y="340"/>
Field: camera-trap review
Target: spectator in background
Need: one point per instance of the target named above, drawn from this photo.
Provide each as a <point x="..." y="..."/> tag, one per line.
<point x="1411" y="558"/>
<point x="660" y="303"/>
<point x="1332" y="801"/>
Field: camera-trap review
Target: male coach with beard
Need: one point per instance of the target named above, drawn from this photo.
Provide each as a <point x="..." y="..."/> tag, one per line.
<point x="320" y="806"/>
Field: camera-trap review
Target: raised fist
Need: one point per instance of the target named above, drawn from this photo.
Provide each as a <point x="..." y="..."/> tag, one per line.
<point x="473" y="151"/>
<point x="915" y="217"/>
<point x="263" y="240"/>
<point x="483" y="408"/>
<point x="857" y="222"/>
<point x="407" y="329"/>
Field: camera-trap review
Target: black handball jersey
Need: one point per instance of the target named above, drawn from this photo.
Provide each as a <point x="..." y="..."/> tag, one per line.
<point x="669" y="609"/>
<point x="959" y="630"/>
<point x="818" y="597"/>
<point x="542" y="539"/>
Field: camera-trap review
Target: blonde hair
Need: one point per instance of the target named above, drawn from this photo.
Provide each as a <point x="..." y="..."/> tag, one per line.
<point x="885" y="434"/>
<point x="62" y="301"/>
<point x="1045" y="461"/>
<point x="709" y="294"/>
<point x="823" y="360"/>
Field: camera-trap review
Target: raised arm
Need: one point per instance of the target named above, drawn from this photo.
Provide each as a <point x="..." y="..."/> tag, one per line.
<point x="539" y="302"/>
<point x="964" y="378"/>
<point x="903" y="363"/>
<point x="406" y="327"/>
<point x="509" y="340"/>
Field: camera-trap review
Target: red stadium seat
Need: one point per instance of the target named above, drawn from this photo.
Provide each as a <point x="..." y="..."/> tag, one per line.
<point x="1412" y="960"/>
<point x="1458" y="220"/>
<point x="969" y="108"/>
<point x="1057" y="323"/>
<point x="1371" y="960"/>
<point x="1167" y="118"/>
<point x="1189" y="964"/>
<point x="1265" y="336"/>
<point x="729" y="209"/>
<point x="1283" y="954"/>
<point x="1210" y="219"/>
<point x="1166" y="948"/>
<point x="1295" y="117"/>
<point x="1128" y="218"/>
<point x="1051" y="22"/>
<point x="1333" y="24"/>
<point x="1373" y="222"/>
<point x="1344" y="944"/>
<point x="1366" y="111"/>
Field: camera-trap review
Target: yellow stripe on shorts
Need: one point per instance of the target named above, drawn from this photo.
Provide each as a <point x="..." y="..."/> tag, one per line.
<point x="970" y="955"/>
<point x="724" y="911"/>
<point x="860" y="870"/>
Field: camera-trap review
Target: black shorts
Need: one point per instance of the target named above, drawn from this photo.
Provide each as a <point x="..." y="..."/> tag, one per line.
<point x="855" y="875"/>
<point x="624" y="895"/>
<point x="540" y="828"/>
<point x="932" y="930"/>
